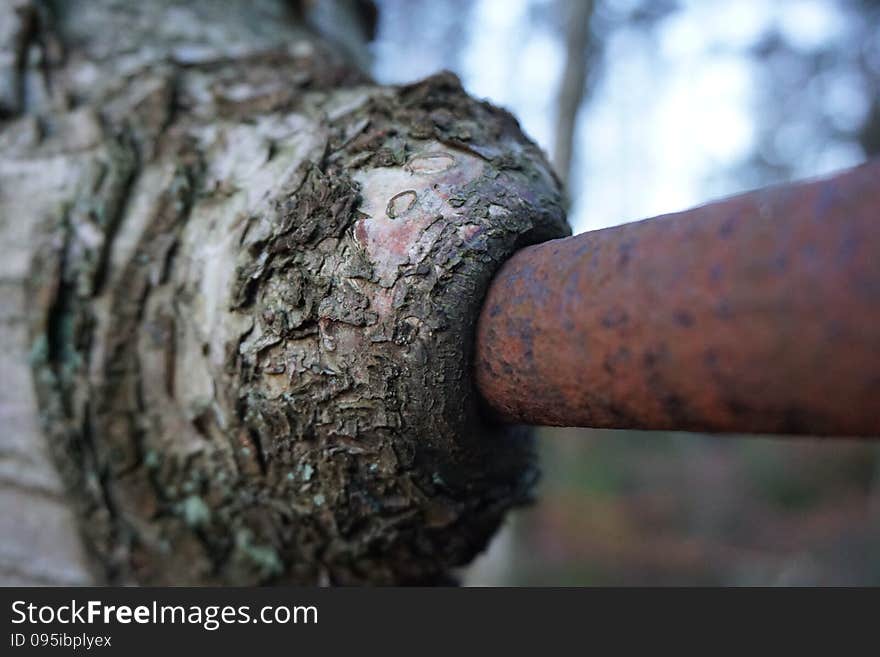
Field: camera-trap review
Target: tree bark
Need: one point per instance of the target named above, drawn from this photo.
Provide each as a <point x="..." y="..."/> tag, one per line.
<point x="244" y="280"/>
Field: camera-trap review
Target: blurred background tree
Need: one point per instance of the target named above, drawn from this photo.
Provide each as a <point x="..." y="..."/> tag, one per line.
<point x="647" y="107"/>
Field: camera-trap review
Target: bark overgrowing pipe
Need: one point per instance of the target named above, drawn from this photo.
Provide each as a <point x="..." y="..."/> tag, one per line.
<point x="244" y="280"/>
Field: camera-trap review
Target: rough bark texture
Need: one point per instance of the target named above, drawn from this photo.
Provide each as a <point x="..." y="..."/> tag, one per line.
<point x="253" y="284"/>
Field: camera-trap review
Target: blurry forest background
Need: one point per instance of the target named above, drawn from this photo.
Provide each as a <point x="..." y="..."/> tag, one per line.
<point x="648" y="107"/>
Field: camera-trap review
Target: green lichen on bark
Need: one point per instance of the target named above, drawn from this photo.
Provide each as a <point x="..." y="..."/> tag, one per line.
<point x="253" y="324"/>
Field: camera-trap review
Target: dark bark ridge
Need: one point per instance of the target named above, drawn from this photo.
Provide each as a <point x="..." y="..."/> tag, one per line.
<point x="253" y="316"/>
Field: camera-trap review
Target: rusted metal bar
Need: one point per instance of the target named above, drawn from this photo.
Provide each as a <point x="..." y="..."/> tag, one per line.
<point x="755" y="314"/>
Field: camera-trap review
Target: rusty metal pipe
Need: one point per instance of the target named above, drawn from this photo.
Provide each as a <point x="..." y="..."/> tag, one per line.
<point x="755" y="314"/>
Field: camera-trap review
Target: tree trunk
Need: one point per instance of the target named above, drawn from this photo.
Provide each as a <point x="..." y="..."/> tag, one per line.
<point x="578" y="14"/>
<point x="243" y="280"/>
